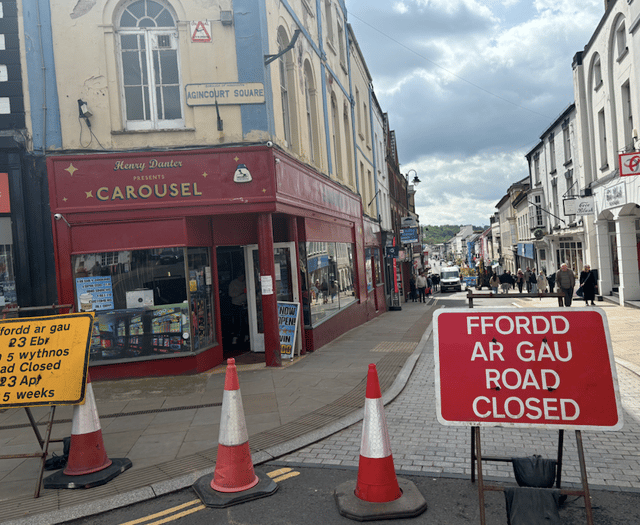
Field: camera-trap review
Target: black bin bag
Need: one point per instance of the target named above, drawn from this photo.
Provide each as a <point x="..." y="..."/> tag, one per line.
<point x="534" y="471"/>
<point x="532" y="506"/>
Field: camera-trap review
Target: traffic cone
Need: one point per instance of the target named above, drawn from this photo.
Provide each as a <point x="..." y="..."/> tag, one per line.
<point x="234" y="478"/>
<point x="377" y="493"/>
<point x="377" y="480"/>
<point x="88" y="464"/>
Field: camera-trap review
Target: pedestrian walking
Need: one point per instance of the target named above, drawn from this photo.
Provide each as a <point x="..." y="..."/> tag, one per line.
<point x="543" y="284"/>
<point x="520" y="280"/>
<point x="421" y="284"/>
<point x="413" y="291"/>
<point x="505" y="282"/>
<point x="565" y="281"/>
<point x="533" y="281"/>
<point x="527" y="278"/>
<point x="494" y="283"/>
<point x="588" y="285"/>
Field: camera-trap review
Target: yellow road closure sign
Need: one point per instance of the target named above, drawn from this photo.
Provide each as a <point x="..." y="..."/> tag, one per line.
<point x="44" y="360"/>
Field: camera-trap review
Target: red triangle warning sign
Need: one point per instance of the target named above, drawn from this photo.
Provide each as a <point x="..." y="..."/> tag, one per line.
<point x="201" y="31"/>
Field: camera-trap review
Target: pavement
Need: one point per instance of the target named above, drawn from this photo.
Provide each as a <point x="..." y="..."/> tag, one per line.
<point x="306" y="413"/>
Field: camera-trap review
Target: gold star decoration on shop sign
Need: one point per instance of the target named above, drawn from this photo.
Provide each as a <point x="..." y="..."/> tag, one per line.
<point x="89" y="194"/>
<point x="205" y="174"/>
<point x="71" y="169"/>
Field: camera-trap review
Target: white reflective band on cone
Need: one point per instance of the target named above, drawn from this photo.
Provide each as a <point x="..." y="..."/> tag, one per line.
<point x="87" y="420"/>
<point x="233" y="428"/>
<point x="375" y="437"/>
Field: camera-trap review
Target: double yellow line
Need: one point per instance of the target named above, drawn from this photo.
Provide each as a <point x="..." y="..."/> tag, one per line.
<point x="196" y="505"/>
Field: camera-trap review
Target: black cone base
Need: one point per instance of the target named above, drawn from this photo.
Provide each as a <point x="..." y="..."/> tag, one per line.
<point x="409" y="505"/>
<point x="219" y="500"/>
<point x="60" y="480"/>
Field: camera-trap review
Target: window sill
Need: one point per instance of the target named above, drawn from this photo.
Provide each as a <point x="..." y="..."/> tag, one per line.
<point x="598" y="85"/>
<point x="146" y="131"/>
<point x="621" y="56"/>
<point x="553" y="171"/>
<point x="568" y="163"/>
<point x="330" y="46"/>
<point x="604" y="168"/>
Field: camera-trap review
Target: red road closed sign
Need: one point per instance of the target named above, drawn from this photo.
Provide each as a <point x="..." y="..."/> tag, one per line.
<point x="549" y="368"/>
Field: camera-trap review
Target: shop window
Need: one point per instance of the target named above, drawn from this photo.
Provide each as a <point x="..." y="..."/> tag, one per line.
<point x="7" y="279"/>
<point x="147" y="303"/>
<point x="149" y="61"/>
<point x="328" y="279"/>
<point x="372" y="267"/>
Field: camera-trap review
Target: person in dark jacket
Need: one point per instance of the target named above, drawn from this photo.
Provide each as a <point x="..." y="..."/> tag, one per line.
<point x="588" y="283"/>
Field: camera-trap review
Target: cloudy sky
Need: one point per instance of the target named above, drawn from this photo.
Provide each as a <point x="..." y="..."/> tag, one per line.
<point x="469" y="86"/>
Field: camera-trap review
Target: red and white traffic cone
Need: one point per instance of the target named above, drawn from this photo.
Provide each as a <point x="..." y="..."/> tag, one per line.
<point x="234" y="478"/>
<point x="86" y="452"/>
<point x="377" y="480"/>
<point x="377" y="493"/>
<point x="88" y="464"/>
<point x="234" y="469"/>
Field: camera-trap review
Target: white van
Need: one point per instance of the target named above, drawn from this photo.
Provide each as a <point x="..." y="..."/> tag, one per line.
<point x="450" y="279"/>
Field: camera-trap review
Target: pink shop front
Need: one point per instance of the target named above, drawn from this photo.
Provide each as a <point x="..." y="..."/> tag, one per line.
<point x="152" y="241"/>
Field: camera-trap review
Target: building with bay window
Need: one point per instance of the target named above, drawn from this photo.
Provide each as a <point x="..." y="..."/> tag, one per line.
<point x="198" y="145"/>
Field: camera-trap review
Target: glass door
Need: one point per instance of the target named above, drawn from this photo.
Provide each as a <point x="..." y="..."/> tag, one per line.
<point x="285" y="286"/>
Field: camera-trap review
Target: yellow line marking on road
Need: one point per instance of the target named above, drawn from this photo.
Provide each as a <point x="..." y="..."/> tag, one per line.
<point x="278" y="472"/>
<point x="168" y="511"/>
<point x="282" y="474"/>
<point x="286" y="476"/>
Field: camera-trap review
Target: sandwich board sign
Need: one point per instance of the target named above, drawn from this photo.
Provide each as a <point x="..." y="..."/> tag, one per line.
<point x="547" y="368"/>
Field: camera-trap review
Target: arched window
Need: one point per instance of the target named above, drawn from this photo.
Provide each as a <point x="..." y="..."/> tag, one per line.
<point x="347" y="142"/>
<point x="149" y="61"/>
<point x="310" y="96"/>
<point x="335" y="122"/>
<point x="284" y="87"/>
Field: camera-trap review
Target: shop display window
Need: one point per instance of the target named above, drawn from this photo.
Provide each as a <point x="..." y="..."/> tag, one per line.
<point x="328" y="279"/>
<point x="7" y="279"/>
<point x="147" y="303"/>
<point x="372" y="267"/>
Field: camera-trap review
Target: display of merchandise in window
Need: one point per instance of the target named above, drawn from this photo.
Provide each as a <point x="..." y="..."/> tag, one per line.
<point x="144" y="305"/>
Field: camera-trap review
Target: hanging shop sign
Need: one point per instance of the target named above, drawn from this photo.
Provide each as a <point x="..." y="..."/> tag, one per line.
<point x="224" y="94"/>
<point x="579" y="206"/>
<point x="409" y="235"/>
<point x="551" y="368"/>
<point x="629" y="164"/>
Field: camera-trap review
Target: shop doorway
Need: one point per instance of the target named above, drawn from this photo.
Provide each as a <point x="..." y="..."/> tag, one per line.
<point x="234" y="318"/>
<point x="285" y="286"/>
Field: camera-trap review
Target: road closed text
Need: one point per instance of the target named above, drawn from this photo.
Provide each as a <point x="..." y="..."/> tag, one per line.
<point x="528" y="380"/>
<point x="531" y="367"/>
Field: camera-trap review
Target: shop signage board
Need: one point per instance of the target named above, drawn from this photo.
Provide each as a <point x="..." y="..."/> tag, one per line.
<point x="541" y="367"/>
<point x="44" y="360"/>
<point x="579" y="206"/>
<point x="225" y="93"/>
<point x="288" y="320"/>
<point x="629" y="164"/>
<point x="409" y="235"/>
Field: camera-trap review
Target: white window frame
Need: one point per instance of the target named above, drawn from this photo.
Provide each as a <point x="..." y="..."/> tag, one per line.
<point x="151" y="36"/>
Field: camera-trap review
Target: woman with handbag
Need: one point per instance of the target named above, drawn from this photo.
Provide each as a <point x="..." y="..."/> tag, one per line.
<point x="588" y="285"/>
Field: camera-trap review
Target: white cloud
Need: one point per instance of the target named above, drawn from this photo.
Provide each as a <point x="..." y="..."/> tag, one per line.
<point x="469" y="85"/>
